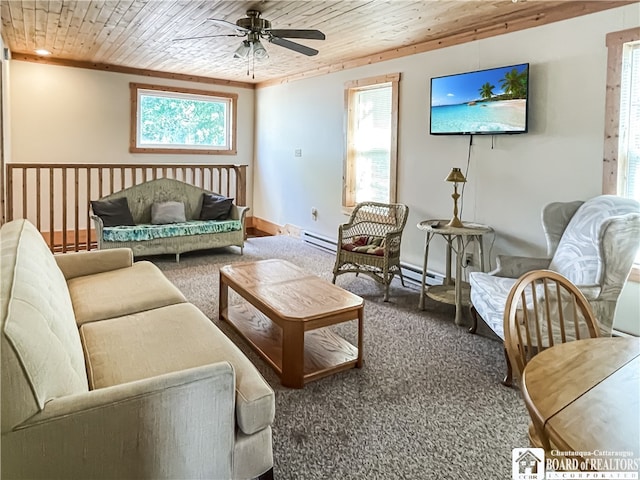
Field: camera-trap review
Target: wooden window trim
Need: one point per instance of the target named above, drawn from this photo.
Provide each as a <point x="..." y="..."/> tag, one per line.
<point x="233" y="100"/>
<point x="348" y="193"/>
<point x="615" y="42"/>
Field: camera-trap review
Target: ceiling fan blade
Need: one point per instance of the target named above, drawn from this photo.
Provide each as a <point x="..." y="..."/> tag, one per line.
<point x="293" y="33"/>
<point x="296" y="47"/>
<point x="224" y="23"/>
<point x="209" y="36"/>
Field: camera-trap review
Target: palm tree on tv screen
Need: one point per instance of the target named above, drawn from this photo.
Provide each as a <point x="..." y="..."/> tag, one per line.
<point x="514" y="84"/>
<point x="486" y="91"/>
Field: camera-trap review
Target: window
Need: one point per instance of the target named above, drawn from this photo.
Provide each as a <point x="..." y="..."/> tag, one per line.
<point x="629" y="129"/>
<point x="179" y="120"/>
<point x="371" y="140"/>
<point x="621" y="174"/>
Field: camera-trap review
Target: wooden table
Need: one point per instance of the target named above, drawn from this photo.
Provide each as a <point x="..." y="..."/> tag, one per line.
<point x="454" y="293"/>
<point x="587" y="394"/>
<point x="285" y="315"/>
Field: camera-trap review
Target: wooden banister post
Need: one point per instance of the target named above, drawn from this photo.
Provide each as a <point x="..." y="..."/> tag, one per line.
<point x="241" y="184"/>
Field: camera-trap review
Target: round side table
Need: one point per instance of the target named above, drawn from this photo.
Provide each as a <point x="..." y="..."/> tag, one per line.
<point x="458" y="239"/>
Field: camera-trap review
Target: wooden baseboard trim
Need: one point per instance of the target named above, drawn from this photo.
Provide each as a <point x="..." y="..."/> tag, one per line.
<point x="263" y="225"/>
<point x="273" y="228"/>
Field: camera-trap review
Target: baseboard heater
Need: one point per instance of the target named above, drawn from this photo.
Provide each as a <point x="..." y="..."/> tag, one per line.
<point x="319" y="241"/>
<point x="411" y="273"/>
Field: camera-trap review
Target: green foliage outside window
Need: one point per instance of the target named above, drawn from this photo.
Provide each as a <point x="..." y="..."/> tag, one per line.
<point x="176" y="121"/>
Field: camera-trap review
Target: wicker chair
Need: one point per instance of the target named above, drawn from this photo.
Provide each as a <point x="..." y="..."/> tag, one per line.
<point x="370" y="242"/>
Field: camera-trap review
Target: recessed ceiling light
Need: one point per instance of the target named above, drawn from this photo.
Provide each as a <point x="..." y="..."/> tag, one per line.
<point x="42" y="51"/>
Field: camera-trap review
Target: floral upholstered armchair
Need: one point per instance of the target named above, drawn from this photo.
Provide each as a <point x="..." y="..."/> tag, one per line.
<point x="592" y="243"/>
<point x="370" y="242"/>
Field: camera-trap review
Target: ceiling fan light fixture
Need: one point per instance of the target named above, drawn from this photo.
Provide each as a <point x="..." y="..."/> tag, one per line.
<point x="259" y="52"/>
<point x="243" y="50"/>
<point x="254" y="28"/>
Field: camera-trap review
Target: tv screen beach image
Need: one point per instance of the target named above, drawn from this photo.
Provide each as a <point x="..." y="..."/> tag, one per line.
<point x="486" y="101"/>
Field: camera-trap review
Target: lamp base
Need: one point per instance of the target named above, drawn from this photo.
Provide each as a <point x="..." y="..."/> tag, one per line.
<point x="455" y="222"/>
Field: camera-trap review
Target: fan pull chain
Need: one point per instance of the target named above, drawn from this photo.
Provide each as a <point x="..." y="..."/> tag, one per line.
<point x="251" y="63"/>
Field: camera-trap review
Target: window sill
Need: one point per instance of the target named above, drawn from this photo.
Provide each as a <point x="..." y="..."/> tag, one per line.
<point x="634" y="275"/>
<point x="347" y="211"/>
<point x="182" y="151"/>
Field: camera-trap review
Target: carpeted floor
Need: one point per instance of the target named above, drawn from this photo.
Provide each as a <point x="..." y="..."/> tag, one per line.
<point x="428" y="403"/>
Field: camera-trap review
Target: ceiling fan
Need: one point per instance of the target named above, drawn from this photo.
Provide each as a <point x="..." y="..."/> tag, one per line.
<point x="254" y="28"/>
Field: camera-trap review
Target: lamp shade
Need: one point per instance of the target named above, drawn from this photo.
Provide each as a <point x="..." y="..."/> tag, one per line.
<point x="243" y="50"/>
<point x="249" y="48"/>
<point x="455" y="176"/>
<point x="259" y="52"/>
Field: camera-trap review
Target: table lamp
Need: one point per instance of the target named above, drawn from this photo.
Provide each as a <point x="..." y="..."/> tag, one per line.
<point x="456" y="177"/>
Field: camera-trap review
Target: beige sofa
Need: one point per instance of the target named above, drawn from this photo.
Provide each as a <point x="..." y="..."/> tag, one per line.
<point x="142" y="196"/>
<point x="108" y="372"/>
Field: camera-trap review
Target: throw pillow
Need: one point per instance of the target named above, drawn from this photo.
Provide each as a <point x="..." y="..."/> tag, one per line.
<point x="215" y="207"/>
<point x="167" y="212"/>
<point x="113" y="212"/>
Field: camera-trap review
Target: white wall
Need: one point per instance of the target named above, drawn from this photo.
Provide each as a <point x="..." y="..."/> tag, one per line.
<point x="75" y="115"/>
<point x="510" y="177"/>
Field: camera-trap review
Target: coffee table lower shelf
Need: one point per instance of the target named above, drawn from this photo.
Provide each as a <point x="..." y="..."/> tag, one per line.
<point x="324" y="353"/>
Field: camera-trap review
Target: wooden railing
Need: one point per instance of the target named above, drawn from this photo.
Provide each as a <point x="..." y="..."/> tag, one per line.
<point x="56" y="197"/>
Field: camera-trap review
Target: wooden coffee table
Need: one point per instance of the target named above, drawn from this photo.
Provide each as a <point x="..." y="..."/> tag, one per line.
<point x="285" y="317"/>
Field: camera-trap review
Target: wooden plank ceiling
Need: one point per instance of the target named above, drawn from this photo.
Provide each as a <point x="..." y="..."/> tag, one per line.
<point x="140" y="34"/>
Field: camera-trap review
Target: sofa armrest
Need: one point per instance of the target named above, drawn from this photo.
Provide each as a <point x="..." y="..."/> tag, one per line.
<point x="79" y="264"/>
<point x="590" y="292"/>
<point x="238" y="213"/>
<point x="99" y="227"/>
<point x="177" y="425"/>
<point x="513" y="266"/>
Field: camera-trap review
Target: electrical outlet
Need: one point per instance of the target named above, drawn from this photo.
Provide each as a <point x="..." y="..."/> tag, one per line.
<point x="297" y="152"/>
<point x="468" y="259"/>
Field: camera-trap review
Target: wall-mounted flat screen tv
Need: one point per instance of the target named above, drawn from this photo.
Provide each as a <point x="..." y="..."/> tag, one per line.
<point x="484" y="102"/>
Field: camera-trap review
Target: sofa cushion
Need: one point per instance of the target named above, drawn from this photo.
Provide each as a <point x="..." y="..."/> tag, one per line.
<point x="41" y="351"/>
<point x="167" y="212"/>
<point x="489" y="295"/>
<point x="370" y="245"/>
<point x="113" y="212"/>
<point x="168" y="339"/>
<point x="120" y="292"/>
<point x="139" y="233"/>
<point x="215" y="207"/>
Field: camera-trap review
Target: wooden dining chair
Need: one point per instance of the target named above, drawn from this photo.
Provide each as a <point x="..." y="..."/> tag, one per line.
<point x="543" y="309"/>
